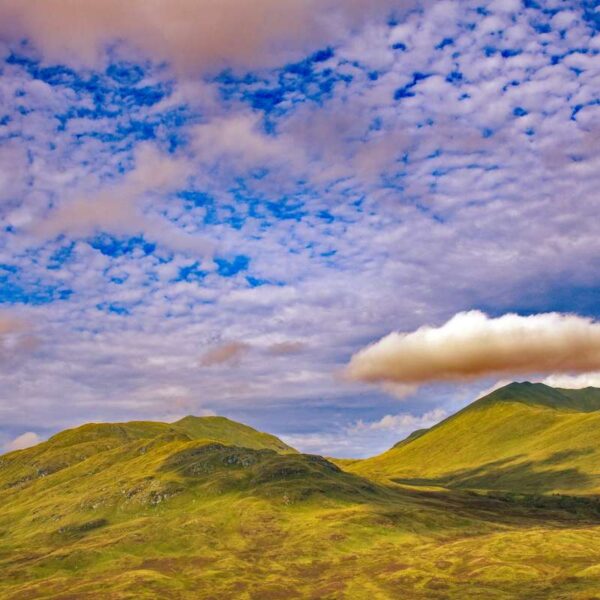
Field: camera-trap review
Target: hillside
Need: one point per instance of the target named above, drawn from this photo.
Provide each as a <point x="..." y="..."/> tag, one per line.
<point x="146" y="510"/>
<point x="523" y="437"/>
<point x="111" y="440"/>
<point x="229" y="432"/>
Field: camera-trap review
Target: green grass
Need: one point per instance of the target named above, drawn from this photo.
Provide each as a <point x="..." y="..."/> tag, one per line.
<point x="230" y="432"/>
<point x="207" y="508"/>
<point x="524" y="437"/>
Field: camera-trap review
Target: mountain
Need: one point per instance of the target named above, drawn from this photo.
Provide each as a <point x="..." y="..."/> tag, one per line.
<point x="525" y="437"/>
<point x="229" y="432"/>
<point x="73" y="446"/>
<point x="129" y="503"/>
<point x="208" y="508"/>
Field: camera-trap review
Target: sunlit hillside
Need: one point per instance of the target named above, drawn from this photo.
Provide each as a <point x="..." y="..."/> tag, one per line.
<point x="523" y="437"/>
<point x="208" y="508"/>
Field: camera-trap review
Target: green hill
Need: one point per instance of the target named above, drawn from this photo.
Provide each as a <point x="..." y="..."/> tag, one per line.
<point x="73" y="446"/>
<point x="208" y="508"/>
<point x="229" y="432"/>
<point x="523" y="437"/>
<point x="137" y="498"/>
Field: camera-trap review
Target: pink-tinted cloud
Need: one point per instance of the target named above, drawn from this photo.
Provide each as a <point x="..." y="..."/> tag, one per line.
<point x="191" y="34"/>
<point x="284" y="348"/>
<point x="16" y="337"/>
<point x="229" y="352"/>
<point x="116" y="207"/>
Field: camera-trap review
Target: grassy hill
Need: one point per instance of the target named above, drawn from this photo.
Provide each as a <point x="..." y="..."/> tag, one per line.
<point x="229" y="432"/>
<point x="207" y="508"/>
<point x="523" y="437"/>
<point x="112" y="441"/>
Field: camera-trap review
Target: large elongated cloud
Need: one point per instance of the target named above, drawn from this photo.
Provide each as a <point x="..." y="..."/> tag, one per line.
<point x="191" y="34"/>
<point x="473" y="345"/>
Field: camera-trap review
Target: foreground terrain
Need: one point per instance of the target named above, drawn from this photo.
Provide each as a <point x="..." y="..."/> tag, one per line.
<point x="209" y="508"/>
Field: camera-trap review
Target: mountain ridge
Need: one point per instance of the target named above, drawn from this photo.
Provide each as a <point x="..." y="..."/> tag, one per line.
<point x="521" y="437"/>
<point x="163" y="510"/>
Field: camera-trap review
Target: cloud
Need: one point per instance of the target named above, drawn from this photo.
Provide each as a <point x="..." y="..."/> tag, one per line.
<point x="9" y="324"/>
<point x="360" y="212"/>
<point x="112" y="206"/>
<point x="363" y="437"/>
<point x="16" y="337"/>
<point x="24" y="440"/>
<point x="399" y="390"/>
<point x="191" y="34"/>
<point x="403" y="421"/>
<point x="115" y="207"/>
<point x="285" y="348"/>
<point x="239" y="141"/>
<point x="226" y="353"/>
<point x="473" y="345"/>
<point x="574" y="382"/>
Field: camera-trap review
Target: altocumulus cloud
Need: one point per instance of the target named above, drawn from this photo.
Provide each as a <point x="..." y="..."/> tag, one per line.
<point x="15" y="337"/>
<point x="472" y="345"/>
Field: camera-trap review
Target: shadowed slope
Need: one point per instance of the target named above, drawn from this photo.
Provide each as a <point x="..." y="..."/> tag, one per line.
<point x="523" y="437"/>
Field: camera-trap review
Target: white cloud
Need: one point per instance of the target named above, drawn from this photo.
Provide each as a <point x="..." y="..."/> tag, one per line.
<point x="403" y="421"/>
<point x="575" y="382"/>
<point x="472" y="345"/>
<point x="22" y="441"/>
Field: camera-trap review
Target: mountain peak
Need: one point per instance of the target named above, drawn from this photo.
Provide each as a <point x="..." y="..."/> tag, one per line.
<point x="228" y="431"/>
<point x="540" y="394"/>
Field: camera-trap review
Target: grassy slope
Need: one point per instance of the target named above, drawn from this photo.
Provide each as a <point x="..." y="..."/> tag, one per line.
<point x="75" y="445"/>
<point x="524" y="437"/>
<point x="230" y="432"/>
<point x="149" y="510"/>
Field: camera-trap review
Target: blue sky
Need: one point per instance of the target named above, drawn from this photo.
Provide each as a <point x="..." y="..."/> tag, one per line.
<point x="215" y="225"/>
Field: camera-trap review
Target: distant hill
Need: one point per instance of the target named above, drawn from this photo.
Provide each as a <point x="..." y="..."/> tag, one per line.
<point x="525" y="437"/>
<point x="539" y="394"/>
<point x="73" y="446"/>
<point x="224" y="430"/>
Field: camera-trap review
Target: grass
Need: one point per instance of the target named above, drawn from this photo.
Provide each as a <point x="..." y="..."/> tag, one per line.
<point x="524" y="437"/>
<point x="151" y="510"/>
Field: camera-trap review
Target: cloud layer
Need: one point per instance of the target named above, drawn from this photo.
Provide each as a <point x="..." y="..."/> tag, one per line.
<point x="297" y="176"/>
<point x="191" y="34"/>
<point x="472" y="345"/>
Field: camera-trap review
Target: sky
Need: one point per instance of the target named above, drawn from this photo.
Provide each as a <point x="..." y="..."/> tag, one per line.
<point x="228" y="208"/>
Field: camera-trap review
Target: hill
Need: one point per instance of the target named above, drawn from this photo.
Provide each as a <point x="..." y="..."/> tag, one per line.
<point x="523" y="437"/>
<point x="224" y="430"/>
<point x="146" y="510"/>
<point x="73" y="446"/>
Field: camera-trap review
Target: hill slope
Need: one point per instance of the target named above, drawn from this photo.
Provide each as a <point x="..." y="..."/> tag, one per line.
<point x="523" y="437"/>
<point x="226" y="431"/>
<point x="154" y="510"/>
<point x="73" y="446"/>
